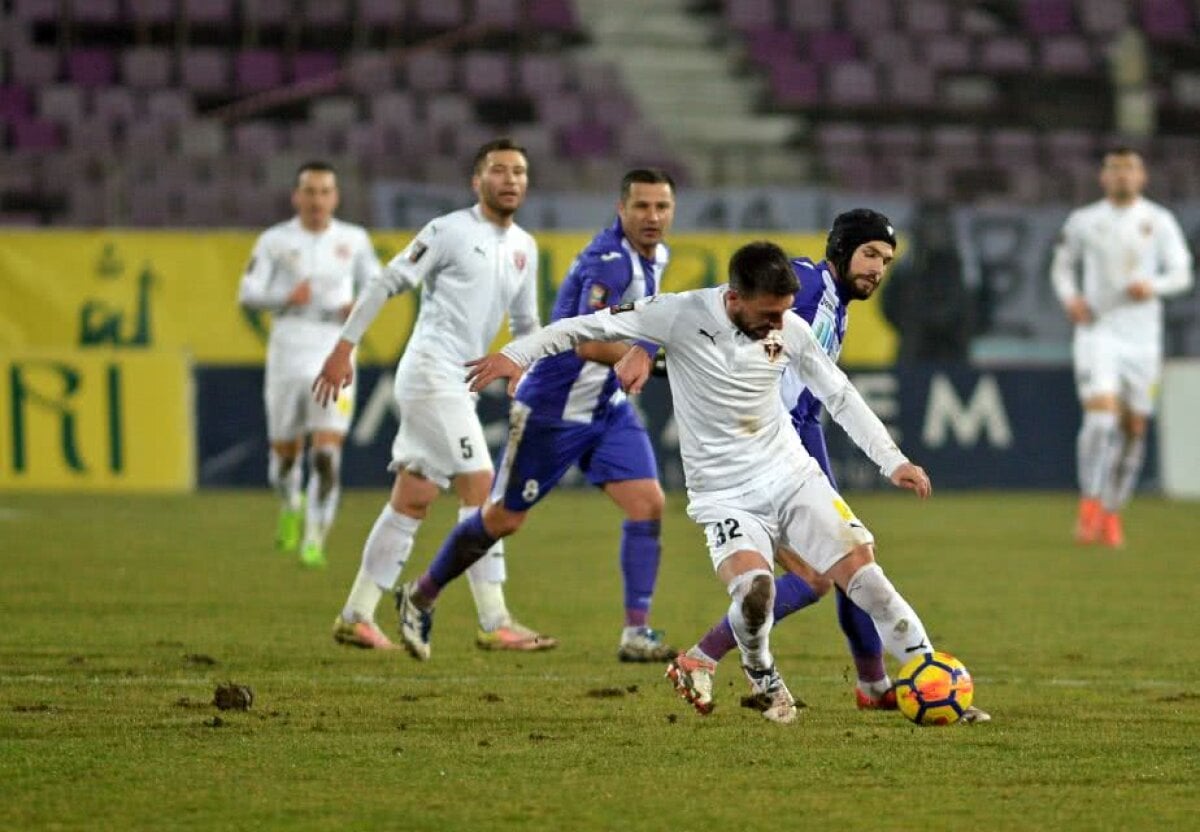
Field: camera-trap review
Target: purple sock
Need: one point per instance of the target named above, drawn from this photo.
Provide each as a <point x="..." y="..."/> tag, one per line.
<point x="865" y="645"/>
<point x="640" y="552"/>
<point x="791" y="595"/>
<point x="466" y="543"/>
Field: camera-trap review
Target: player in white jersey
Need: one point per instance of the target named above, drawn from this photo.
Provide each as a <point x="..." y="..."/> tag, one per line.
<point x="306" y="272"/>
<point x="474" y="266"/>
<point x="750" y="482"/>
<point x="1132" y="253"/>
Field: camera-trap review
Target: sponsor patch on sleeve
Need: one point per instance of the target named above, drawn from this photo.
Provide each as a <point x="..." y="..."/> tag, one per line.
<point x="624" y="307"/>
<point x="598" y="296"/>
<point x="417" y="251"/>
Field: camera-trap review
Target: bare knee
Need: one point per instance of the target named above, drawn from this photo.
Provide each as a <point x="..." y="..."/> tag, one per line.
<point x="858" y="557"/>
<point x="500" y="522"/>
<point x="412" y="495"/>
<point x="639" y="499"/>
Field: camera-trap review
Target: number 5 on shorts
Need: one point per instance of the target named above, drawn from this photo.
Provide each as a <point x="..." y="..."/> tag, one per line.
<point x="467" y="451"/>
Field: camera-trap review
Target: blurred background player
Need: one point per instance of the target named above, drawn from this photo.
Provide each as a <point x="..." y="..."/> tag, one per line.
<point x="860" y="247"/>
<point x="474" y="266"/>
<point x="306" y="272"/>
<point x="569" y="409"/>
<point x="1132" y="253"/>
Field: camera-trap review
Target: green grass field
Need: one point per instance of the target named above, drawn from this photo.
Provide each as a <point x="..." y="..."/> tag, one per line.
<point x="121" y="614"/>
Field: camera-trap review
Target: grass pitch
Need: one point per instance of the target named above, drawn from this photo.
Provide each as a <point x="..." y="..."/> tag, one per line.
<point x="121" y="614"/>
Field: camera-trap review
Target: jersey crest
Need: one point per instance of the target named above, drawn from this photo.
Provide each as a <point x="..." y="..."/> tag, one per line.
<point x="773" y="344"/>
<point x="519" y="260"/>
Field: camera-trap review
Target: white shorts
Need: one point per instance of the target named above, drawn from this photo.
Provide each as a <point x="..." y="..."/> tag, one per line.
<point x="439" y="438"/>
<point x="292" y="413"/>
<point x="1106" y="364"/>
<point x="800" y="511"/>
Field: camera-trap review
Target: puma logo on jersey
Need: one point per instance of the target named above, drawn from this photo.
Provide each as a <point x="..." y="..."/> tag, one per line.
<point x="612" y="255"/>
<point x="922" y="645"/>
<point x="479" y="250"/>
<point x="712" y="338"/>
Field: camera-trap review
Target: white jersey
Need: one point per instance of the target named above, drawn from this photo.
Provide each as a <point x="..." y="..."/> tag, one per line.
<point x="732" y="424"/>
<point x="471" y="272"/>
<point x="337" y="262"/>
<point x="1118" y="246"/>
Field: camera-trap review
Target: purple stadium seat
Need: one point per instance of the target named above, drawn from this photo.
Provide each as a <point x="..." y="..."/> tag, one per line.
<point x="950" y="53"/>
<point x="61" y="103"/>
<point x="393" y="108"/>
<point x="149" y="204"/>
<point x="584" y="141"/>
<point x="795" y="84"/>
<point x="448" y="112"/>
<point x="560" y="110"/>
<point x="831" y="47"/>
<point x="502" y="15"/>
<point x="487" y="74"/>
<point x="538" y="141"/>
<point x="439" y="14"/>
<point x="257" y="138"/>
<point x="956" y="144"/>
<point x="309" y="65"/>
<point x="96" y="134"/>
<point x="203" y="205"/>
<point x="810" y="15"/>
<point x="748" y="15"/>
<point x="255" y="70"/>
<point x="598" y="77"/>
<point x="91" y="67"/>
<point x="150" y="11"/>
<point x="1166" y="19"/>
<point x="1005" y="54"/>
<point x="171" y="106"/>
<point x="765" y="46"/>
<point x="36" y="11"/>
<point x="928" y="17"/>
<point x="20" y="219"/>
<point x="613" y="109"/>
<point x="853" y="84"/>
<point x="1013" y="145"/>
<point x="1103" y="17"/>
<point x="15" y="102"/>
<point x="910" y="83"/>
<point x="898" y="141"/>
<point x="841" y="138"/>
<point x="898" y="48"/>
<point x="96" y="11"/>
<point x="114" y="105"/>
<point x="36" y="134"/>
<point x="205" y="70"/>
<point x="271" y="13"/>
<point x="552" y="16"/>
<point x="208" y="11"/>
<point x="368" y="140"/>
<point x="539" y="74"/>
<point x="370" y="73"/>
<point x="1047" y="17"/>
<point x="1067" y="55"/>
<point x="34" y="67"/>
<point x="869" y="16"/>
<point x="1070" y="144"/>
<point x="149" y="139"/>
<point x="429" y="71"/>
<point x="146" y="67"/>
<point x="308" y="138"/>
<point x="319" y="13"/>
<point x="380" y="13"/>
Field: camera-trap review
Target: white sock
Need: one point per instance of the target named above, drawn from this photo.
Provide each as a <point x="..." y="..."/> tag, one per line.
<point x="751" y="617"/>
<point x="486" y="577"/>
<point x="877" y="688"/>
<point x="1094" y="448"/>
<point x="1126" y="468"/>
<point x="324" y="489"/>
<point x="902" y="632"/>
<point x="364" y="598"/>
<point x="285" y="477"/>
<point x="384" y="555"/>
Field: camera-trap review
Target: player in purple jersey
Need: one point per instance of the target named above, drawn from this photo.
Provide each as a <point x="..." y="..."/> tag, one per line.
<point x="570" y="410"/>
<point x="860" y="247"/>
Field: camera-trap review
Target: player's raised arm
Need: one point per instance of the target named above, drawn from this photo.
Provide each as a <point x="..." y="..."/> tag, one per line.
<point x="847" y="407"/>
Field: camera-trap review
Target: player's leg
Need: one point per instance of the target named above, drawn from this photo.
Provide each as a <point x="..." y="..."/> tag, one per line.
<point x="327" y="428"/>
<point x="285" y="471"/>
<point x="621" y="461"/>
<point x="1096" y="381"/>
<point x="1140" y="371"/>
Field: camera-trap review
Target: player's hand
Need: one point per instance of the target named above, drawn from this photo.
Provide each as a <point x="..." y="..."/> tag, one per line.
<point x="633" y="370"/>
<point x="914" y="478"/>
<point x="336" y="373"/>
<point x="301" y="295"/>
<point x="1140" y="290"/>
<point x="483" y="371"/>
<point x="1078" y="311"/>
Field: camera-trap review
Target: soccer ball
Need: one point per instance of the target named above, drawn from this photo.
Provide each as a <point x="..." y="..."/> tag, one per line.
<point x="934" y="689"/>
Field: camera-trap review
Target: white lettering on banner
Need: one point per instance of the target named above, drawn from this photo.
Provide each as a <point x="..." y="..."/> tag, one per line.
<point x="983" y="413"/>
<point x="881" y="393"/>
<point x="381" y="402"/>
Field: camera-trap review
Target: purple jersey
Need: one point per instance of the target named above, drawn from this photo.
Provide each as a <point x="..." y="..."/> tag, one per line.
<point x="609" y="271"/>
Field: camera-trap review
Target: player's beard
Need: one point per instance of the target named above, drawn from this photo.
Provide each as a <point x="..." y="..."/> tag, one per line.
<point x="492" y="200"/>
<point x="739" y="320"/>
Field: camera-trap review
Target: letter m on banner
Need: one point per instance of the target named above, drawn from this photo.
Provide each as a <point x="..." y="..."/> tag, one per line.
<point x="982" y="415"/>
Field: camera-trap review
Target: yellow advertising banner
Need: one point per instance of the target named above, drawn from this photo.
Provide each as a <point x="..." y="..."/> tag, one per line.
<point x="177" y="291"/>
<point x="96" y="420"/>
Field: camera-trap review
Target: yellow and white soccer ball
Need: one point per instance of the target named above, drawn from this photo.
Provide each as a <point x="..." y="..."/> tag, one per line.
<point x="934" y="689"/>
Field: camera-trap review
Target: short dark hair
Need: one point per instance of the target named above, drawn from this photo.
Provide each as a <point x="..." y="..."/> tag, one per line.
<point x="1119" y="150"/>
<point x="645" y="176"/>
<point x="502" y="143"/>
<point x="761" y="268"/>
<point x="316" y="166"/>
